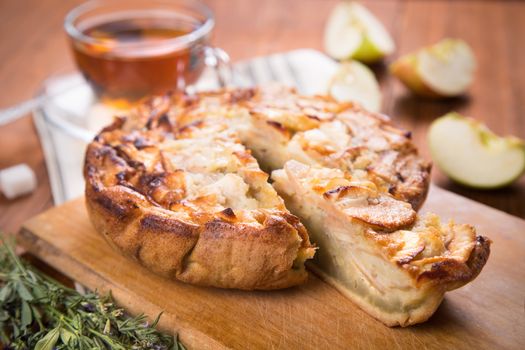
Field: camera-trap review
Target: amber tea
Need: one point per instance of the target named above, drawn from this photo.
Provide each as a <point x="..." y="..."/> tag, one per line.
<point x="128" y="54"/>
<point x="117" y="72"/>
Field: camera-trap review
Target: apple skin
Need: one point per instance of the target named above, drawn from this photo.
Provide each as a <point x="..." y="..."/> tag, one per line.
<point x="367" y="26"/>
<point x="368" y="52"/>
<point x="405" y="69"/>
<point x="486" y="136"/>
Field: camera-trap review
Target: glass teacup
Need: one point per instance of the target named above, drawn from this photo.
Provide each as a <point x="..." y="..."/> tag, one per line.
<point x="129" y="49"/>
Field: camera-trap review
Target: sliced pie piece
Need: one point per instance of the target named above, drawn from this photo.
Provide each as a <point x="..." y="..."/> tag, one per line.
<point x="374" y="249"/>
<point x="191" y="204"/>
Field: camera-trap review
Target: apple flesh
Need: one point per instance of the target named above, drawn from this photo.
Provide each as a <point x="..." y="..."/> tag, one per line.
<point x="355" y="82"/>
<point x="445" y="69"/>
<point x="353" y="32"/>
<point x="471" y="154"/>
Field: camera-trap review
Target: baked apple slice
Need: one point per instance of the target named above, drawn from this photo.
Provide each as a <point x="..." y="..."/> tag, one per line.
<point x="471" y="154"/>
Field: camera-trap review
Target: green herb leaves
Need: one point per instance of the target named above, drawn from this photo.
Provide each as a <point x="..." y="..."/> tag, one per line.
<point x="39" y="313"/>
<point x="49" y="341"/>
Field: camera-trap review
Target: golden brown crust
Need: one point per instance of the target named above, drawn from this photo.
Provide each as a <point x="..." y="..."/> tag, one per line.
<point x="139" y="196"/>
<point x="220" y="254"/>
<point x="454" y="272"/>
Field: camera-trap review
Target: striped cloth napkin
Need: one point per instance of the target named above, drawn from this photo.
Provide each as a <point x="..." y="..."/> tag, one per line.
<point x="71" y="115"/>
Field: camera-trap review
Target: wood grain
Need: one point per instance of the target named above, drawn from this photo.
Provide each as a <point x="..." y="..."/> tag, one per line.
<point x="485" y="314"/>
<point x="33" y="46"/>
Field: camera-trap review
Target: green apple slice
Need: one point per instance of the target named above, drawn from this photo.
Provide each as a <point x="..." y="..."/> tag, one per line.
<point x="445" y="69"/>
<point x="353" y="32"/>
<point x="469" y="153"/>
<point x="355" y="82"/>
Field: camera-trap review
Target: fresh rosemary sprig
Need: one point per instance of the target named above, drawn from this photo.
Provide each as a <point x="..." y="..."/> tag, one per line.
<point x="38" y="313"/>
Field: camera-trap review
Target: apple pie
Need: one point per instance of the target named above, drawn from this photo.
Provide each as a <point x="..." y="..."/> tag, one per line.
<point x="181" y="185"/>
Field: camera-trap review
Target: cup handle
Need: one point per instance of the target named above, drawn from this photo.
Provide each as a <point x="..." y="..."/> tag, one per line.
<point x="219" y="60"/>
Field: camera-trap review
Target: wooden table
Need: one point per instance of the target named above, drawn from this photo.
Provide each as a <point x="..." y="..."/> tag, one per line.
<point x="33" y="46"/>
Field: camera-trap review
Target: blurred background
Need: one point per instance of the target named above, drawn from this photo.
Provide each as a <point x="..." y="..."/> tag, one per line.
<point x="33" y="46"/>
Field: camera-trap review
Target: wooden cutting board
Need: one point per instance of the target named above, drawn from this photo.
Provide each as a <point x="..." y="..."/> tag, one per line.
<point x="488" y="313"/>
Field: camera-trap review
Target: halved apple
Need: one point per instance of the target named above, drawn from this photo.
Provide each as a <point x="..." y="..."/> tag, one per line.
<point x="471" y="154"/>
<point x="444" y="69"/>
<point x="353" y="81"/>
<point x="353" y="32"/>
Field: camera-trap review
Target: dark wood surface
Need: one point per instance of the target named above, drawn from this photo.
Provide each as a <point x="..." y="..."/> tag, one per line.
<point x="33" y="46"/>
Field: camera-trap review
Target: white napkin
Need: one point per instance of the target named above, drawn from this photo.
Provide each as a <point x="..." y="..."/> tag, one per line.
<point x="71" y="116"/>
